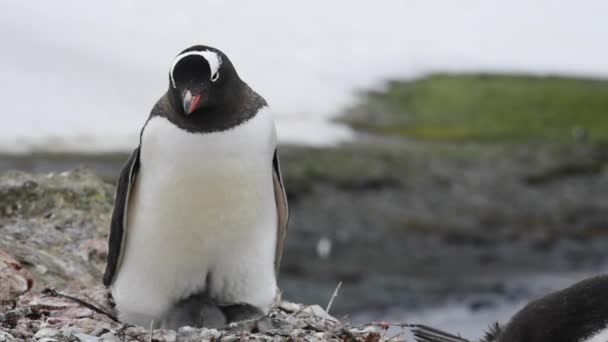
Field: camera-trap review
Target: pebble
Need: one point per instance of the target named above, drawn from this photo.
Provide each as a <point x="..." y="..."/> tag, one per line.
<point x="109" y="337"/>
<point x="47" y="332"/>
<point x="188" y="334"/>
<point x="86" y="338"/>
<point x="70" y="331"/>
<point x="164" y="335"/>
<point x="289" y="307"/>
<point x="301" y="322"/>
<point x="14" y="281"/>
<point x="318" y="311"/>
<point x="211" y="334"/>
<point x="6" y="337"/>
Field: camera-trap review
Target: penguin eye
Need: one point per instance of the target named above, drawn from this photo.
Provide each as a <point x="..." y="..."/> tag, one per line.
<point x="215" y="76"/>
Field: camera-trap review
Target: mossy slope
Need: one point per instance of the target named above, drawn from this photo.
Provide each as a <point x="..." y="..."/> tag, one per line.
<point x="486" y="107"/>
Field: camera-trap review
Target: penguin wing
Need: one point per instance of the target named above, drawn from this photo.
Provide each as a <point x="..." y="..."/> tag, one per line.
<point x="282" y="209"/>
<point x="118" y="224"/>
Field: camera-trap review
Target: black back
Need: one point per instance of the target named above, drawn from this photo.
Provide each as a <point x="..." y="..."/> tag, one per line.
<point x="569" y="315"/>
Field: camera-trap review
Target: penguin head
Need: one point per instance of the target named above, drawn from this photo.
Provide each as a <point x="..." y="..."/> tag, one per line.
<point x="202" y="77"/>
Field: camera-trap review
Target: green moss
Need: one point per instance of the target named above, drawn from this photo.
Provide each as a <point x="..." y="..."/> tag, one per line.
<point x="484" y="107"/>
<point x="349" y="166"/>
<point x="27" y="195"/>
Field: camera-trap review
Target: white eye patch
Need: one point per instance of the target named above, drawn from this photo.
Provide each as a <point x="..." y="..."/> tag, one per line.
<point x="213" y="59"/>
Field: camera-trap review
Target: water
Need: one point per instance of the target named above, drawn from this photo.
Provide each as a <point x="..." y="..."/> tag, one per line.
<point x="459" y="316"/>
<point x="83" y="76"/>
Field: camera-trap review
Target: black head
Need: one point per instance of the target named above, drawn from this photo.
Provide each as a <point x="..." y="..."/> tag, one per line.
<point x="202" y="78"/>
<point x="205" y="93"/>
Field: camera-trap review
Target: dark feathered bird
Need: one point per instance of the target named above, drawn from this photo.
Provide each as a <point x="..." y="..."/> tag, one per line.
<point x="578" y="313"/>
<point x="200" y="213"/>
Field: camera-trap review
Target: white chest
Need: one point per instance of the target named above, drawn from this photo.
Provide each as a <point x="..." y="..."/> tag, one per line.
<point x="599" y="336"/>
<point x="204" y="183"/>
<point x="202" y="204"/>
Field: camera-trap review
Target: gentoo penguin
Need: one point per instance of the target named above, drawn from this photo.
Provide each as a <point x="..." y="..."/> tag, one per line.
<point x="578" y="313"/>
<point x="200" y="213"/>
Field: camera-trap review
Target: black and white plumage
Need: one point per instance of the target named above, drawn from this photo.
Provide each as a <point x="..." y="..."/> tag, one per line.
<point x="200" y="205"/>
<point x="578" y="313"/>
<point x="424" y="333"/>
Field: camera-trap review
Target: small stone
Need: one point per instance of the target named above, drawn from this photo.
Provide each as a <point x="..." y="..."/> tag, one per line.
<point x="70" y="331"/>
<point x="93" y="249"/>
<point x="6" y="337"/>
<point x="41" y="269"/>
<point x="109" y="337"/>
<point x="188" y="334"/>
<point x="77" y="312"/>
<point x="211" y="334"/>
<point x="366" y="330"/>
<point x="318" y="311"/>
<point x="164" y="335"/>
<point x="47" y="332"/>
<point x="86" y="338"/>
<point x="321" y="336"/>
<point x="297" y="333"/>
<point x="14" y="281"/>
<point x="264" y="324"/>
<point x="289" y="307"/>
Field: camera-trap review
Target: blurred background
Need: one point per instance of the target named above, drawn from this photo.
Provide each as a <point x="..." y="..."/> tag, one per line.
<point x="445" y="161"/>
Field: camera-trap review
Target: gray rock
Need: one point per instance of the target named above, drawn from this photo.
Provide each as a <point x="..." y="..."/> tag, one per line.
<point x="47" y="332"/>
<point x="86" y="338"/>
<point x="188" y="334"/>
<point x="52" y="221"/>
<point x="70" y="331"/>
<point x="109" y="337"/>
<point x="6" y="337"/>
<point x="15" y="280"/>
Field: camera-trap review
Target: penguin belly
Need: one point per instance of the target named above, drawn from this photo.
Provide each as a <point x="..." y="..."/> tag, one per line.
<point x="202" y="218"/>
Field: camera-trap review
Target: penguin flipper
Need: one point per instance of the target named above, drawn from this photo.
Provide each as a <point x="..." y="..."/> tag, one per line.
<point x="282" y="209"/>
<point x="119" y="216"/>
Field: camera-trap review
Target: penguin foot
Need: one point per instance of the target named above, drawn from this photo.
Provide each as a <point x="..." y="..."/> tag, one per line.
<point x="241" y="312"/>
<point x="196" y="311"/>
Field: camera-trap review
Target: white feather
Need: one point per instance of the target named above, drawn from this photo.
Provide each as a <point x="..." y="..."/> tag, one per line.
<point x="599" y="336"/>
<point x="213" y="59"/>
<point x="202" y="204"/>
